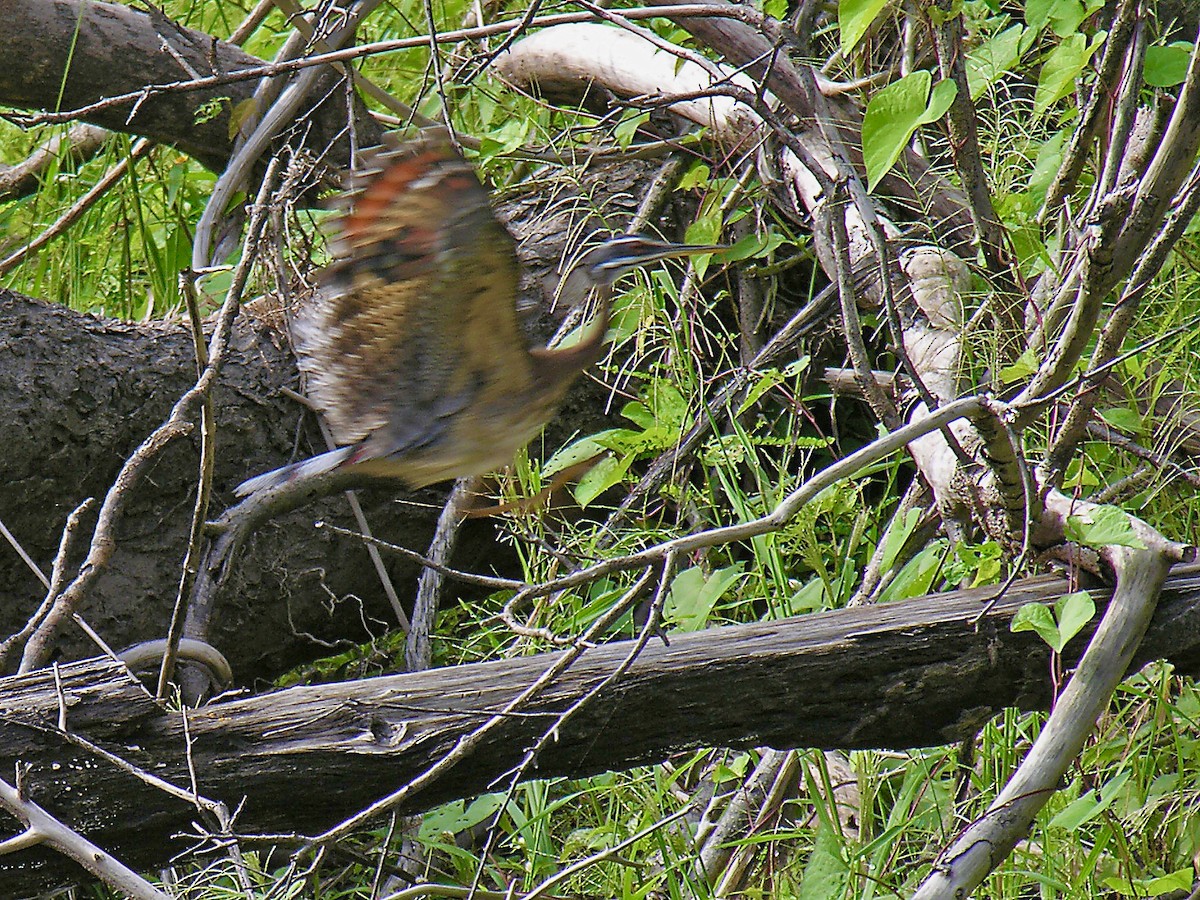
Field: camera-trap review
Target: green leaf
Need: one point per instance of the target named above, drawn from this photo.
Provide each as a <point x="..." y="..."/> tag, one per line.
<point x="1049" y="161"/>
<point x="1073" y="611"/>
<point x="825" y="871"/>
<point x="896" y="537"/>
<point x="1038" y="618"/>
<point x="940" y="99"/>
<point x="693" y="596"/>
<point x="1122" y="418"/>
<point x="628" y="127"/>
<point x="1097" y="803"/>
<point x="637" y="413"/>
<point x="668" y="405"/>
<point x="1167" y="66"/>
<point x="695" y="177"/>
<point x="854" y="18"/>
<point x="1064" y="64"/>
<point x="577" y="451"/>
<point x="598" y="479"/>
<point x="768" y="380"/>
<point x="1179" y="880"/>
<point x="939" y="17"/>
<point x="1077" y="812"/>
<point x="753" y="246"/>
<point x="916" y="577"/>
<point x="991" y="59"/>
<point x="457" y="816"/>
<point x="1063" y="16"/>
<point x="1027" y="363"/>
<point x="893" y="114"/>
<point x="1105" y="526"/>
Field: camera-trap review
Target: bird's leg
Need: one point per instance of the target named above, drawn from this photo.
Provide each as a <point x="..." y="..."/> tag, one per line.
<point x="527" y="505"/>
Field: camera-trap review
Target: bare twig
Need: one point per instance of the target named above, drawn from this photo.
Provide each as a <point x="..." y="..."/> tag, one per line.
<point x="80" y="142"/>
<point x="140" y="148"/>
<point x="42" y="828"/>
<point x="985" y="843"/>
<point x="210" y="359"/>
<point x="417" y="650"/>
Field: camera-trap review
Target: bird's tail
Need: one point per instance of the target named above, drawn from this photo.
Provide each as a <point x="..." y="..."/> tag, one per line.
<point x="307" y="468"/>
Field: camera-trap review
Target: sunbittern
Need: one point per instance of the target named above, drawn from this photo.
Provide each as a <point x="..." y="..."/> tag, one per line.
<point x="413" y="349"/>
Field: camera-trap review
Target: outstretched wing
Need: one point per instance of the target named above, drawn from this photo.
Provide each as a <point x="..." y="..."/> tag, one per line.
<point x="416" y="319"/>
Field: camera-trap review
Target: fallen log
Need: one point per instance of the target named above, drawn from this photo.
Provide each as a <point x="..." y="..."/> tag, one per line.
<point x="907" y="674"/>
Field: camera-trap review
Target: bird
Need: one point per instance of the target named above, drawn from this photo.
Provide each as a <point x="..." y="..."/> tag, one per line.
<point x="413" y="348"/>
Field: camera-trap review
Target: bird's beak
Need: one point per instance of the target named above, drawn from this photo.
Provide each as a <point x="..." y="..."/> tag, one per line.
<point x="646" y="250"/>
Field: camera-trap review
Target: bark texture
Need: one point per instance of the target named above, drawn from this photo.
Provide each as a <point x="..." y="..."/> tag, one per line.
<point x="78" y="394"/>
<point x="67" y="54"/>
<point x="905" y="674"/>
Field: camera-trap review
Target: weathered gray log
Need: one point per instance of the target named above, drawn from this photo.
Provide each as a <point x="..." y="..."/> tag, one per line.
<point x="900" y="675"/>
<point x="67" y="54"/>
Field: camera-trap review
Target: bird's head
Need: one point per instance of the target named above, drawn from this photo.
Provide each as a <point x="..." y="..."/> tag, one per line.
<point x="607" y="262"/>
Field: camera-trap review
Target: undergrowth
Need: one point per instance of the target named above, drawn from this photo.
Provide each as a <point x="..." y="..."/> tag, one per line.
<point x="1123" y="826"/>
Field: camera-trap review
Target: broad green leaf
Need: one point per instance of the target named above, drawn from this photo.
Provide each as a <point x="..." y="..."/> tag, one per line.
<point x="628" y="127"/>
<point x="810" y="597"/>
<point x="825" y="871"/>
<point x="600" y="477"/>
<point x="854" y="18"/>
<point x="1078" y="811"/>
<point x="940" y="99"/>
<point x="1090" y="804"/>
<point x="916" y="577"/>
<point x="1037" y="618"/>
<point x="991" y="59"/>
<point x="1179" y="880"/>
<point x="1165" y="885"/>
<point x="1064" y="64"/>
<point x="1027" y="363"/>
<point x="896" y="536"/>
<point x="637" y="413"/>
<point x="766" y="381"/>
<point x="1063" y="16"/>
<point x="695" y="177"/>
<point x="1048" y="162"/>
<point x="706" y="229"/>
<point x="584" y="448"/>
<point x="1073" y="611"/>
<point x="753" y="246"/>
<point x="667" y="403"/>
<point x="893" y="114"/>
<point x="1080" y="475"/>
<point x="1123" y="418"/>
<point x="1167" y="66"/>
<point x="458" y="816"/>
<point x="693" y="595"/>
<point x="1104" y="526"/>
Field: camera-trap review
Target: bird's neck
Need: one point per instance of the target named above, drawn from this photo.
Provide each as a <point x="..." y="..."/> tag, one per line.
<point x="562" y="364"/>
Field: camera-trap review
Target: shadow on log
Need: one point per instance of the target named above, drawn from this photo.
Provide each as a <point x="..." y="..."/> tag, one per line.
<point x="906" y="674"/>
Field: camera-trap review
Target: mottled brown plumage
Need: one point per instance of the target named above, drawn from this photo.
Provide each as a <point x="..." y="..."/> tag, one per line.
<point x="413" y="350"/>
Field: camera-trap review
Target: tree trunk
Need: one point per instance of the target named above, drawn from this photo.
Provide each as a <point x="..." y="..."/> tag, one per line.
<point x="89" y="51"/>
<point x="78" y="394"/>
